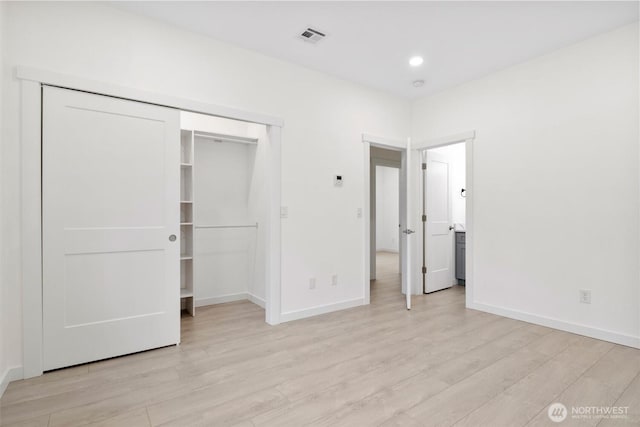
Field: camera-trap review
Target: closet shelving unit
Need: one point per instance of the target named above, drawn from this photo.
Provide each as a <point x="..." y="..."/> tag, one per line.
<point x="188" y="223"/>
<point x="187" y="299"/>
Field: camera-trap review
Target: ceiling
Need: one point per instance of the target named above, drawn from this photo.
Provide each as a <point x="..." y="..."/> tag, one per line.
<point x="371" y="42"/>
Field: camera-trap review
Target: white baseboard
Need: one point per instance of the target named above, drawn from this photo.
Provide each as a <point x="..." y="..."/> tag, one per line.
<point x="321" y="309"/>
<point x="256" y="299"/>
<point x="576" y="328"/>
<point x="11" y="374"/>
<point x="201" y="302"/>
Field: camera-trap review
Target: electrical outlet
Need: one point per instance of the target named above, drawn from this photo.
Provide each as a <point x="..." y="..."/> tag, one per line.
<point x="284" y="212"/>
<point x="334" y="280"/>
<point x="359" y="213"/>
<point x="312" y="283"/>
<point x="585" y="296"/>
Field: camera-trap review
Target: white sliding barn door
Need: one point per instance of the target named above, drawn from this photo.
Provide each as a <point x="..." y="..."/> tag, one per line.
<point x="110" y="201"/>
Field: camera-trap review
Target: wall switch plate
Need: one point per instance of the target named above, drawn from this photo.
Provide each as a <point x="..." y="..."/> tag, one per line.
<point x="312" y="283"/>
<point x="585" y="296"/>
<point x="359" y="213"/>
<point x="284" y="212"/>
<point x="337" y="180"/>
<point x="334" y="280"/>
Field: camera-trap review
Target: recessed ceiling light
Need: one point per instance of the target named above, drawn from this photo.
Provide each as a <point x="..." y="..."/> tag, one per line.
<point x="416" y="61"/>
<point x="418" y="83"/>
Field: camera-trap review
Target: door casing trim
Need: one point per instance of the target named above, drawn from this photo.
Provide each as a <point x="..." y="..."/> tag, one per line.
<point x="468" y="138"/>
<point x="368" y="141"/>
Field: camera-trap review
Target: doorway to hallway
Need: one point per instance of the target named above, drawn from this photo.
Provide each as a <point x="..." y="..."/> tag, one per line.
<point x="395" y="154"/>
<point x="388" y="282"/>
<point x="385" y="217"/>
<point x="387" y="208"/>
<point x="443" y="212"/>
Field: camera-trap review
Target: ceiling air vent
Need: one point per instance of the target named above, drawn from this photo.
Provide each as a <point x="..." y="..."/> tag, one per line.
<point x="312" y="36"/>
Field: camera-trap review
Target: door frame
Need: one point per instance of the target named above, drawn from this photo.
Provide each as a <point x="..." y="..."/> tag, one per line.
<point x="31" y="82"/>
<point x="368" y="141"/>
<point x="468" y="138"/>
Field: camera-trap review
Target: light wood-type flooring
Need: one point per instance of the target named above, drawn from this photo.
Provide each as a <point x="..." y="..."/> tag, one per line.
<point x="436" y="365"/>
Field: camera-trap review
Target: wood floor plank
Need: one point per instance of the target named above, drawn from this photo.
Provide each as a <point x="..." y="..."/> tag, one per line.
<point x="135" y="418"/>
<point x="400" y="350"/>
<point x="465" y="396"/>
<point x="600" y="386"/>
<point x="629" y="400"/>
<point x="437" y="364"/>
<point x="230" y="412"/>
<point x="400" y="420"/>
<point x="526" y="398"/>
<point x="325" y="401"/>
<point x="133" y="394"/>
<point x="444" y="370"/>
<point x="41" y="421"/>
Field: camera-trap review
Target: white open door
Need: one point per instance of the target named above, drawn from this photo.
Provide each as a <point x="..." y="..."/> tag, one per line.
<point x="111" y="246"/>
<point x="439" y="244"/>
<point x="407" y="231"/>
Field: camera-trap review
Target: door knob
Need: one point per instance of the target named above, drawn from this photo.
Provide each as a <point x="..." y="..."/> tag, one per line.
<point x="408" y="231"/>
<point x="451" y="227"/>
<point x="172" y="238"/>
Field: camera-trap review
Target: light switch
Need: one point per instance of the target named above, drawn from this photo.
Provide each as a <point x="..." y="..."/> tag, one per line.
<point x="337" y="180"/>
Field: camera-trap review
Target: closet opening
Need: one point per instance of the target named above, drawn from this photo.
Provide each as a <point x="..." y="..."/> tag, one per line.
<point x="224" y="211"/>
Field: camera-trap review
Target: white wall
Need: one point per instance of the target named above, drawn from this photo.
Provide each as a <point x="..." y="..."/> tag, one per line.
<point x="324" y="119"/>
<point x="457" y="164"/>
<point x="556" y="184"/>
<point x="387" y="208"/>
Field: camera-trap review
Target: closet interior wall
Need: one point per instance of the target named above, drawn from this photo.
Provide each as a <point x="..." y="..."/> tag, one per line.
<point x="230" y="200"/>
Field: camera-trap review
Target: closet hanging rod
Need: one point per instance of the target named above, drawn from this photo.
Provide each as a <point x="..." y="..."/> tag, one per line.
<point x="229" y="226"/>
<point x="219" y="137"/>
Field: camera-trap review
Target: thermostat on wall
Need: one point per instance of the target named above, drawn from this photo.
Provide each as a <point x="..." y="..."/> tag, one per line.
<point x="337" y="181"/>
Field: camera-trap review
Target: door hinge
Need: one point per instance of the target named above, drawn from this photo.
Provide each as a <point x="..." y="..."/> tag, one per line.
<point x="424" y="218"/>
<point x="424" y="270"/>
<point x="424" y="166"/>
